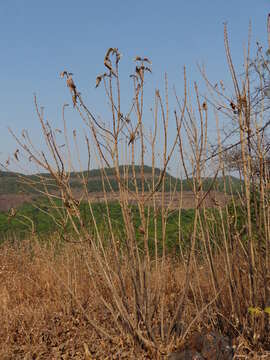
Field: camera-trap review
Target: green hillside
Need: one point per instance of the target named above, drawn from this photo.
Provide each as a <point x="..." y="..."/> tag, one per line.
<point x="14" y="183"/>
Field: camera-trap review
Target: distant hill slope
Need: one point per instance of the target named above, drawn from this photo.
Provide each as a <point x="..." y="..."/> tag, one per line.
<point x="13" y="183"/>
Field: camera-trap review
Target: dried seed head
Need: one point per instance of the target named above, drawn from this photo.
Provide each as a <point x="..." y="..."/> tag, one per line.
<point x="16" y="154"/>
<point x="63" y="73"/>
<point x="232" y="105"/>
<point x="131" y="138"/>
<point x="98" y="80"/>
<point x="138" y="58"/>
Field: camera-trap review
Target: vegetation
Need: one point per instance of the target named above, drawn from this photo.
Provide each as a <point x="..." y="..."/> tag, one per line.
<point x="32" y="219"/>
<point x="114" y="268"/>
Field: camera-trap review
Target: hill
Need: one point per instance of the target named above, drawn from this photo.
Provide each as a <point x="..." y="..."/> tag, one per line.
<point x="15" y="183"/>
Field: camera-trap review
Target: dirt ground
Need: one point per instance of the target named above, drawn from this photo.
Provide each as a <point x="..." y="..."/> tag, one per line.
<point x="13" y="200"/>
<point x="186" y="199"/>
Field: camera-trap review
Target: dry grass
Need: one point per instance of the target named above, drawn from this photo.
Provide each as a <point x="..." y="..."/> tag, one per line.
<point x="40" y="319"/>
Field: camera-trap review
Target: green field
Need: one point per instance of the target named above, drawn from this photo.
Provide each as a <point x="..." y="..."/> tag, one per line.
<point x="40" y="218"/>
<point x="31" y="217"/>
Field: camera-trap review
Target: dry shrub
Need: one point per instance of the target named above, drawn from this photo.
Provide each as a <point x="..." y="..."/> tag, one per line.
<point x="115" y="292"/>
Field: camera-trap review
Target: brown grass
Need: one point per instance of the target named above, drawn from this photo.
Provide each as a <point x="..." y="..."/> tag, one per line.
<point x="47" y="298"/>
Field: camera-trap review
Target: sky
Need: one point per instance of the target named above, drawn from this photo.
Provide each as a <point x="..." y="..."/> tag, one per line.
<point x="39" y="39"/>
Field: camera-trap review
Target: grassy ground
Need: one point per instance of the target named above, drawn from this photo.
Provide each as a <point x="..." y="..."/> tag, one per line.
<point x="28" y="217"/>
<point x="47" y="299"/>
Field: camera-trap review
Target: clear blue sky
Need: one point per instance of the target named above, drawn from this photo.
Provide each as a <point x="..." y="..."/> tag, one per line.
<point x="41" y="38"/>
